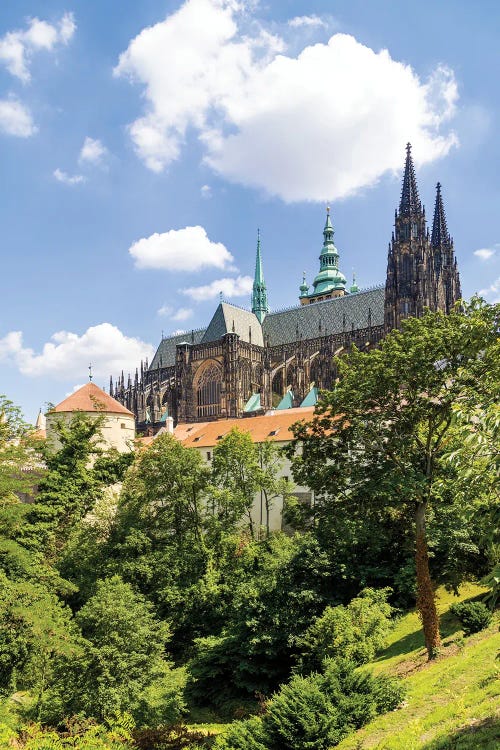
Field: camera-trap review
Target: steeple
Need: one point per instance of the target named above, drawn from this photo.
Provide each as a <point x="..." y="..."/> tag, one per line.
<point x="259" y="293"/>
<point x="410" y="201"/>
<point x="440" y="236"/>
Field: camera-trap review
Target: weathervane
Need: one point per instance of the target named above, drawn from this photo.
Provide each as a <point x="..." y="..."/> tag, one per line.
<point x="90" y="372"/>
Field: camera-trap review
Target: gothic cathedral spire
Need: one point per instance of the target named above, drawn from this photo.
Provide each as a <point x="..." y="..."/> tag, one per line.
<point x="421" y="270"/>
<point x="259" y="294"/>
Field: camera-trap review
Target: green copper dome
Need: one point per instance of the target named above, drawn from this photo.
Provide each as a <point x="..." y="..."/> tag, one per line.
<point x="329" y="277"/>
<point x="304" y="288"/>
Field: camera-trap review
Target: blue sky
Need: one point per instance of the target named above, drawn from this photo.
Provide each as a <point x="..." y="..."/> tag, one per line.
<point x="142" y="144"/>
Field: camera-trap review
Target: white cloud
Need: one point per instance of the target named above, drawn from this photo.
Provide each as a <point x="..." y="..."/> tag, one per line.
<point x="16" y="119"/>
<point x="492" y="292"/>
<point x="238" y="287"/>
<point x="183" y="313"/>
<point x="68" y="179"/>
<point x="187" y="249"/>
<point x="328" y="122"/>
<point x="92" y="152"/>
<point x="17" y="47"/>
<point x="67" y="355"/>
<point x="206" y="191"/>
<point x="309" y="21"/>
<point x="484" y="253"/>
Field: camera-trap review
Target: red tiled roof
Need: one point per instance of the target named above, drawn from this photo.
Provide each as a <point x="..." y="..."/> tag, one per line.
<point x="274" y="426"/>
<point x="91" y="398"/>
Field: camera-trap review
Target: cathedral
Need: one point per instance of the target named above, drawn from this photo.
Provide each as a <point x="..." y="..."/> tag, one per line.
<point x="247" y="362"/>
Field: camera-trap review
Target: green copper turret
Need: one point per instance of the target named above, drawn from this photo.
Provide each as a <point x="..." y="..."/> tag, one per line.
<point x="259" y="293"/>
<point x="329" y="278"/>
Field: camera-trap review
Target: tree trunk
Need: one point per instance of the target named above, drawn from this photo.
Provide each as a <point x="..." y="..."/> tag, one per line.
<point x="426" y="603"/>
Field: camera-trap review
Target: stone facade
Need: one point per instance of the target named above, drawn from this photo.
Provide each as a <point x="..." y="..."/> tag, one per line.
<point x="247" y="362"/>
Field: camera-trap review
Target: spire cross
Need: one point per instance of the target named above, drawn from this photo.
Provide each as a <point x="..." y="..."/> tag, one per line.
<point x="90" y="372"/>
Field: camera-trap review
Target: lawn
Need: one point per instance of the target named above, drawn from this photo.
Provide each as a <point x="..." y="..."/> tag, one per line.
<point x="453" y="702"/>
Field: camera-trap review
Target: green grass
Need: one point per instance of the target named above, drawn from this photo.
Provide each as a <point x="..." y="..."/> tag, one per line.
<point x="453" y="702"/>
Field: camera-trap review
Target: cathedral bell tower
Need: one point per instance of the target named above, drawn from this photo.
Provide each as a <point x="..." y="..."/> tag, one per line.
<point x="422" y="271"/>
<point x="407" y="285"/>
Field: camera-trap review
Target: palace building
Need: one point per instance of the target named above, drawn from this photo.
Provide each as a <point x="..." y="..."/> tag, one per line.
<point x="248" y="362"/>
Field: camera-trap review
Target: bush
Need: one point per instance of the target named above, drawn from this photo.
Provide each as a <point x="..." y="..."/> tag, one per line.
<point x="474" y="616"/>
<point x="355" y="632"/>
<point x="243" y="735"/>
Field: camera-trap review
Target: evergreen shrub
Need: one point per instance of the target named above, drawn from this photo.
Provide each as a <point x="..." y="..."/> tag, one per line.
<point x="474" y="616"/>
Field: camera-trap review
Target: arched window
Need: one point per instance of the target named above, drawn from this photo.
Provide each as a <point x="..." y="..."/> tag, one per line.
<point x="208" y="391"/>
<point x="246" y="388"/>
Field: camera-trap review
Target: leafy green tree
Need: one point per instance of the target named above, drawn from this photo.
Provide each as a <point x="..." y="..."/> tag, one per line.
<point x="35" y="631"/>
<point x="380" y="437"/>
<point x="122" y="668"/>
<point x="354" y="632"/>
<point x="69" y="488"/>
<point x="16" y="453"/>
<point x="235" y="477"/>
<point x="270" y="483"/>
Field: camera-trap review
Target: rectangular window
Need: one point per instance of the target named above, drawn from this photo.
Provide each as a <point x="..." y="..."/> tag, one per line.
<point x="209" y="456"/>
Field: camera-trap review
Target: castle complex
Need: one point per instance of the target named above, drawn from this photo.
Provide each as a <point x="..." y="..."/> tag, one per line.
<point x="247" y="362"/>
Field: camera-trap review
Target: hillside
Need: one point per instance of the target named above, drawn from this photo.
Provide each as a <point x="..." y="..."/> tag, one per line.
<point x="452" y="703"/>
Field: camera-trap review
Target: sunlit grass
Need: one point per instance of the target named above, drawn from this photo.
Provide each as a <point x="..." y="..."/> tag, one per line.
<point x="452" y="702"/>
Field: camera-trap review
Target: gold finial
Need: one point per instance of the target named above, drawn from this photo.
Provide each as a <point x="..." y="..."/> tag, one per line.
<point x="327" y="208"/>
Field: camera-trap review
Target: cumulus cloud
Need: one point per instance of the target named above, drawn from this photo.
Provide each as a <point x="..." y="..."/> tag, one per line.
<point x="206" y="191"/>
<point x="309" y="21"/>
<point x="92" y="151"/>
<point x="237" y="287"/>
<point x="187" y="249"/>
<point x="17" y="47"/>
<point x="67" y="355"/>
<point x="492" y="292"/>
<point x="183" y="313"/>
<point x="68" y="179"/>
<point x="16" y="119"/>
<point x="327" y="122"/>
<point x="485" y="253"/>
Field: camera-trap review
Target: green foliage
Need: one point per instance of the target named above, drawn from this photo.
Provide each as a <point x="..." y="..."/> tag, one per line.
<point x="492" y="582"/>
<point x="316" y="712"/>
<point x="122" y="667"/>
<point x="35" y="631"/>
<point x="382" y="438"/>
<point x="17" y="453"/>
<point x="355" y="632"/>
<point x="81" y="736"/>
<point x="287" y="582"/>
<point x="474" y="616"/>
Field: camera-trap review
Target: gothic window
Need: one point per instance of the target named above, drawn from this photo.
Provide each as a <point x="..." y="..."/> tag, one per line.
<point x="406" y="268"/>
<point x="246" y="388"/>
<point x="208" y="391"/>
<point x="414" y="230"/>
<point x="277" y="387"/>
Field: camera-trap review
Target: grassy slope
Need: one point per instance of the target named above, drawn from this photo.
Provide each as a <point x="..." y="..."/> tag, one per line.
<point x="452" y="703"/>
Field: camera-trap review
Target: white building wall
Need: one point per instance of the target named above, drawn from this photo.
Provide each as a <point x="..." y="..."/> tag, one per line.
<point x="118" y="430"/>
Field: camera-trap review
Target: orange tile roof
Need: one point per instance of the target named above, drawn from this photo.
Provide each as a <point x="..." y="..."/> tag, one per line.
<point x="91" y="398"/>
<point x="260" y="428"/>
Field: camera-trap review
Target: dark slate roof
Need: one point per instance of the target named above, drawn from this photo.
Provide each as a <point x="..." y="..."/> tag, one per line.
<point x="281" y="327"/>
<point x="229" y="317"/>
<point x="166" y="350"/>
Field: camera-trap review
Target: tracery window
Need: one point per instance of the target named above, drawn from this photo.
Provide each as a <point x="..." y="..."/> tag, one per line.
<point x="209" y="391"/>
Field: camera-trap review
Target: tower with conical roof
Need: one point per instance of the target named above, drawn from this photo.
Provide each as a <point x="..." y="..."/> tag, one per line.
<point x="259" y="293"/>
<point x="329" y="282"/>
<point x="447" y="279"/>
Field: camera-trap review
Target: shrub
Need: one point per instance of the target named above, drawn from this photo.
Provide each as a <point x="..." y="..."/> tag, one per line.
<point x="474" y="616"/>
<point x="243" y="735"/>
<point x="354" y="632"/>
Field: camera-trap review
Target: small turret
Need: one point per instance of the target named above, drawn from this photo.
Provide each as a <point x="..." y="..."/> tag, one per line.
<point x="329" y="282"/>
<point x="354" y="287"/>
<point x="304" y="288"/>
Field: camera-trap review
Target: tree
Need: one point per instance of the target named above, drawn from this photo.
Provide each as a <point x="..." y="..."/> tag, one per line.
<point x="17" y="455"/>
<point x="272" y="486"/>
<point x="235" y="476"/>
<point x="122" y="668"/>
<point x="379" y="438"/>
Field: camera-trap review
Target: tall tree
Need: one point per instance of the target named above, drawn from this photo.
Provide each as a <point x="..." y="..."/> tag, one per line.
<point x="381" y="436"/>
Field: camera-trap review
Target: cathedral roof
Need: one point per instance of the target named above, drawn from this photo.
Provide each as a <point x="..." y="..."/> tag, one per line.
<point x="335" y="315"/>
<point x="165" y="354"/>
<point x="91" y="398"/>
<point x="231" y="319"/>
